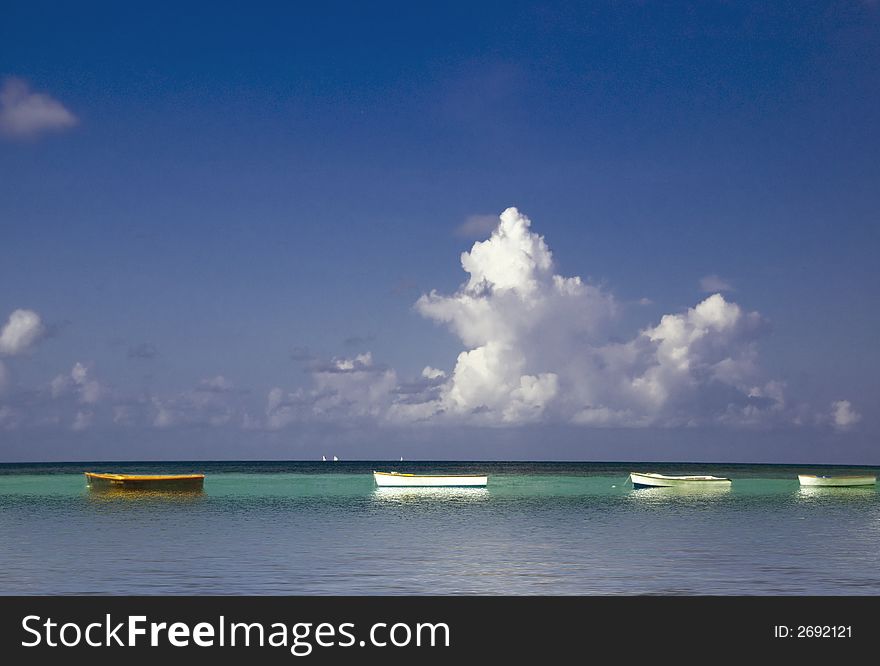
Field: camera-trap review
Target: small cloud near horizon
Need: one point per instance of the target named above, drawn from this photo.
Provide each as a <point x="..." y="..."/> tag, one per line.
<point x="25" y="113"/>
<point x="843" y="416"/>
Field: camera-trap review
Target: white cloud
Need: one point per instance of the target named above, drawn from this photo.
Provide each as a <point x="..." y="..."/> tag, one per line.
<point x="359" y="362"/>
<point x="710" y="284"/>
<point x="24" y="113"/>
<point x="432" y="373"/>
<point x="843" y="415"/>
<point x="537" y="349"/>
<point x="211" y="403"/>
<point x="79" y="382"/>
<point x="59" y="385"/>
<point x="343" y="388"/>
<point x="219" y="384"/>
<point x="79" y="374"/>
<point x="23" y="329"/>
<point x="165" y="415"/>
<point x="517" y="319"/>
<point x="699" y="351"/>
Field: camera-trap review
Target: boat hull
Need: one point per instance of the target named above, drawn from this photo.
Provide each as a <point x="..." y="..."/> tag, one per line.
<point x="650" y="480"/>
<point x="176" y="482"/>
<point x="837" y="481"/>
<point x="395" y="480"/>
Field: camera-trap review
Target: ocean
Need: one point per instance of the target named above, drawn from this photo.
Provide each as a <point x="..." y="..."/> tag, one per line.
<point x="538" y="529"/>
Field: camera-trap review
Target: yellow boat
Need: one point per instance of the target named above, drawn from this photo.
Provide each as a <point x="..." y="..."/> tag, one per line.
<point x="98" y="481"/>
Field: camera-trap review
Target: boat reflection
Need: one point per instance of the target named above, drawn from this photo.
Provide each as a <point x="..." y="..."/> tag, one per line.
<point x="836" y="494"/>
<point x="660" y="495"/>
<point x="408" y="495"/>
<point x="99" y="494"/>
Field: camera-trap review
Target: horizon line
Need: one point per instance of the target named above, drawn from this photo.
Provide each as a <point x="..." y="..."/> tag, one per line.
<point x="440" y="460"/>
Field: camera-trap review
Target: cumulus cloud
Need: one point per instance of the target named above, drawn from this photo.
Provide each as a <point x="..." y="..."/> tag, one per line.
<point x="843" y="416"/>
<point x="25" y="113"/>
<point x="432" y="373"/>
<point x="210" y="403"/>
<point x="77" y="382"/>
<point x="707" y="346"/>
<point x="537" y="348"/>
<point x="342" y="388"/>
<point x="22" y="331"/>
<point x="710" y="284"/>
<point x="360" y="363"/>
<point x="71" y="400"/>
<point x="517" y="319"/>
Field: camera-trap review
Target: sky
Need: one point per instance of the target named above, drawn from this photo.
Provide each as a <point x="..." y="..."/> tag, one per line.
<point x="570" y="231"/>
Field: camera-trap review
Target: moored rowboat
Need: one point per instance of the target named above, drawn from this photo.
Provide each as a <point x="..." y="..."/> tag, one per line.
<point x="399" y="480"/>
<point x="654" y="480"/>
<point x="837" y="481"/>
<point x="145" y="481"/>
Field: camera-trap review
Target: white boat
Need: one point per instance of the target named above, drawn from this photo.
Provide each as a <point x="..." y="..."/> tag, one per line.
<point x="335" y="459"/>
<point x="837" y="481"/>
<point x="654" y="480"/>
<point x="323" y="458"/>
<point x="398" y="480"/>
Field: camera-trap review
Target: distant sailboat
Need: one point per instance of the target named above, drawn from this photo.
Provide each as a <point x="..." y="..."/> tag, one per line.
<point x="401" y="458"/>
<point x="324" y="458"/>
<point x="335" y="459"/>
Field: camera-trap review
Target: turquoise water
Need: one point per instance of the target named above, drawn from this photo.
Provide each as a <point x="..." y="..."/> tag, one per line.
<point x="539" y="528"/>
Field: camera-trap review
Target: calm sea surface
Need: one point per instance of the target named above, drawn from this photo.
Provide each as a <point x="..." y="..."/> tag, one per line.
<point x="539" y="528"/>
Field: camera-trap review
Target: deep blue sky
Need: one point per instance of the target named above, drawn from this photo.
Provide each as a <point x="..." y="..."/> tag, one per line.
<point x="250" y="179"/>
